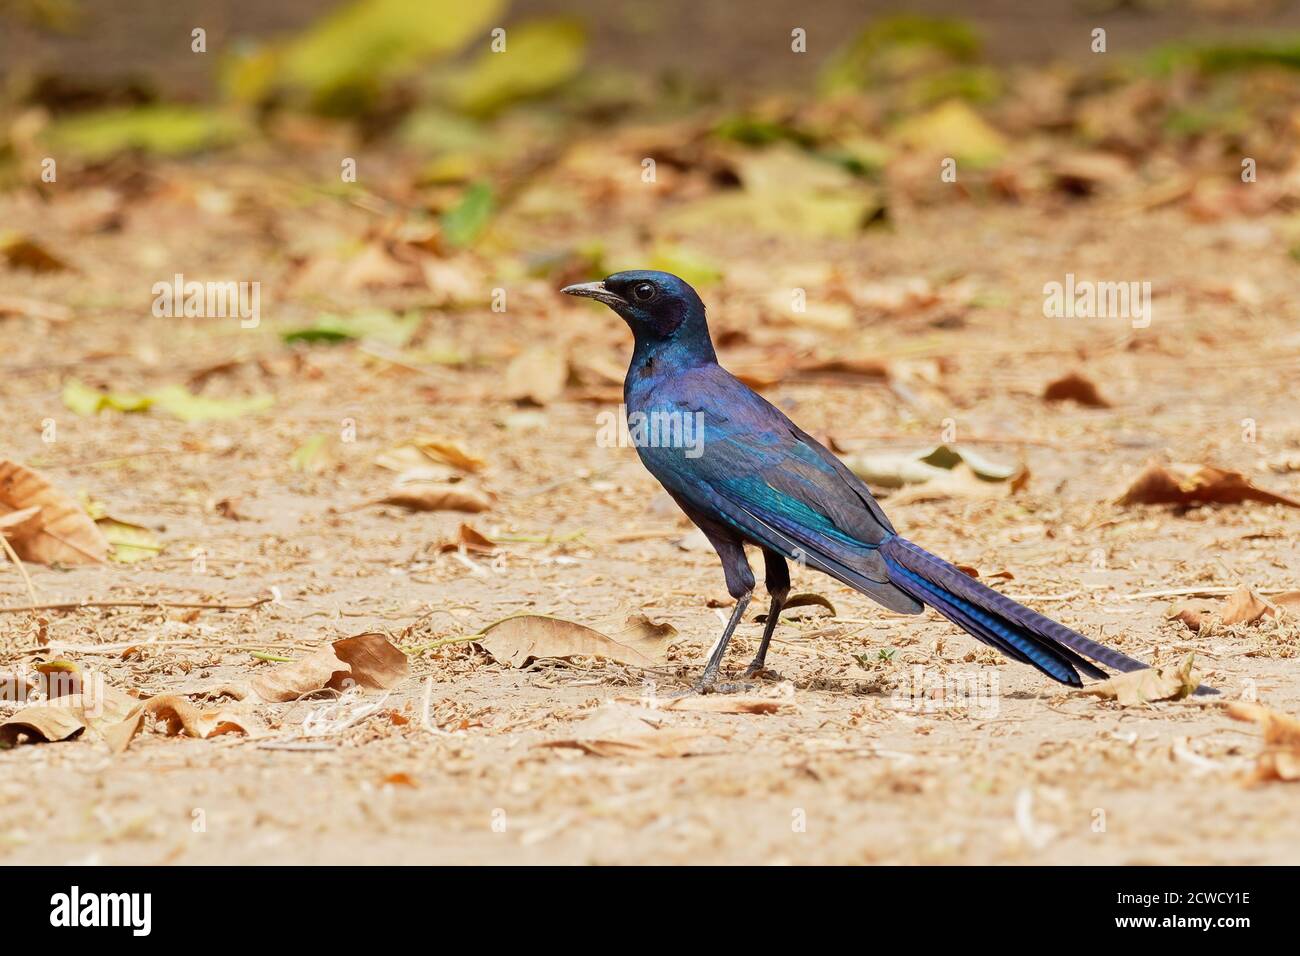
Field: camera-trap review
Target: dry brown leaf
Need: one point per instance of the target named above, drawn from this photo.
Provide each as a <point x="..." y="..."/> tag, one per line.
<point x="66" y="716"/>
<point x="1193" y="614"/>
<point x="437" y="496"/>
<point x="471" y="540"/>
<point x="1075" y="388"/>
<point x="375" y="661"/>
<point x="1280" y="759"/>
<point x="1288" y="601"/>
<point x="1244" y="606"/>
<point x="1148" y="684"/>
<point x="518" y="640"/>
<point x="1188" y="485"/>
<point x="448" y="451"/>
<point x="370" y="660"/>
<point x="24" y="252"/>
<point x="60" y="533"/>
<point x="312" y="672"/>
<point x="536" y="376"/>
<point x="62" y="719"/>
<point x="176" y="714"/>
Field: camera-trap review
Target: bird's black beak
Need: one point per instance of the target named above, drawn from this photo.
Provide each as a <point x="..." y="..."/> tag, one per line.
<point x="597" y="291"/>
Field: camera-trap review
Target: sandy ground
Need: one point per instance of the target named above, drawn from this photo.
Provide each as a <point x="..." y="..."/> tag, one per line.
<point x="839" y="774"/>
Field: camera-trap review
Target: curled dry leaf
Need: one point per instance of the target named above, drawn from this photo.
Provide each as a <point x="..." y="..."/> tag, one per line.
<point x="413" y="491"/>
<point x="517" y="641"/>
<point x="59" y="533"/>
<point x="1148" y="684"/>
<point x="100" y="709"/>
<point x="1188" y="485"/>
<point x="369" y="660"/>
<point x="424" y="449"/>
<point x="1075" y="388"/>
<point x="1280" y="758"/>
<point x="176" y="714"/>
<point x="471" y="540"/>
<point x="1242" y="606"/>
<point x="536" y="376"/>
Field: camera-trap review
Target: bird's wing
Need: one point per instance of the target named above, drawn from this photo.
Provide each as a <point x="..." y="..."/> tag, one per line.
<point x="779" y="488"/>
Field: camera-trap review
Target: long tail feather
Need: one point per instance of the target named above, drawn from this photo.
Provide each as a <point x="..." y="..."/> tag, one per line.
<point x="996" y="620"/>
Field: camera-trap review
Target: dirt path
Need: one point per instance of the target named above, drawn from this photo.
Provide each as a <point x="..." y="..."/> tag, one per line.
<point x="839" y="774"/>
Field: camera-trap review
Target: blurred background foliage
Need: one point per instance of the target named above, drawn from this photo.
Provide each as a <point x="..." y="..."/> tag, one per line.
<point x="500" y="151"/>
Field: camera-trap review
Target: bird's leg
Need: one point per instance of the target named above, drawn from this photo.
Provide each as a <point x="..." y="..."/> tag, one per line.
<point x="740" y="585"/>
<point x="778" y="586"/>
<point x="709" y="678"/>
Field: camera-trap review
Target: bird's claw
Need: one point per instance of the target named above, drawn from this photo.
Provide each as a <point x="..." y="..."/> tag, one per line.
<point x="710" y="685"/>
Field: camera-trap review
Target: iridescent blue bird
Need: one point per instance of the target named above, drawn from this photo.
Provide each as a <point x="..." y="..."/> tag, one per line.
<point x="754" y="477"/>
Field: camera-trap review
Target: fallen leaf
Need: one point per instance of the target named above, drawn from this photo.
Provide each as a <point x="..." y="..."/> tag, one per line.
<point x="1244" y="606"/>
<point x="97" y="707"/>
<point x="536" y="375"/>
<point x="1190" y="485"/>
<point x="1280" y="759"/>
<point x="176" y="714"/>
<point x="1148" y="684"/>
<point x="540" y="56"/>
<point x="896" y="469"/>
<point x="369" y="660"/>
<point x="518" y="640"/>
<point x="413" y="492"/>
<point x="24" y="252"/>
<point x="471" y="540"/>
<point x="60" y="533"/>
<point x="1075" y="388"/>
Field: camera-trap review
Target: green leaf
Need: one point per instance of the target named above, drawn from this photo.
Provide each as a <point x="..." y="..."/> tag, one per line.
<point x="178" y="401"/>
<point x="131" y="542"/>
<point x="903" y="45"/>
<point x="954" y="129"/>
<point x="378" y="325"/>
<point x="539" y="56"/>
<point x="366" y="43"/>
<point x="162" y="129"/>
<point x="463" y="223"/>
<point x="84" y="400"/>
<point x="312" y="455"/>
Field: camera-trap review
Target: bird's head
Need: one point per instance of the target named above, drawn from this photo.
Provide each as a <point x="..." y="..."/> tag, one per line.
<point x="656" y="305"/>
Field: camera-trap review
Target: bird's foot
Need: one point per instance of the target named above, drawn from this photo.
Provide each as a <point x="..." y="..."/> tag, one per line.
<point x="708" y="684"/>
<point x="759" y="670"/>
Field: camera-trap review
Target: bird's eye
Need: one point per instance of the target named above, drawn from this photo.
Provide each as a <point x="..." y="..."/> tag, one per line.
<point x="643" y="292"/>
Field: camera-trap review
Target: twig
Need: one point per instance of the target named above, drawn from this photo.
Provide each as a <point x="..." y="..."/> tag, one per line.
<point x="425" y="722"/>
<point x="76" y="605"/>
<point x="18" y="563"/>
<point x="58" y="648"/>
<point x="1215" y="591"/>
<point x="441" y="642"/>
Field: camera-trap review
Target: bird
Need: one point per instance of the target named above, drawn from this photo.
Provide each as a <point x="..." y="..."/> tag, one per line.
<point x="749" y="476"/>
